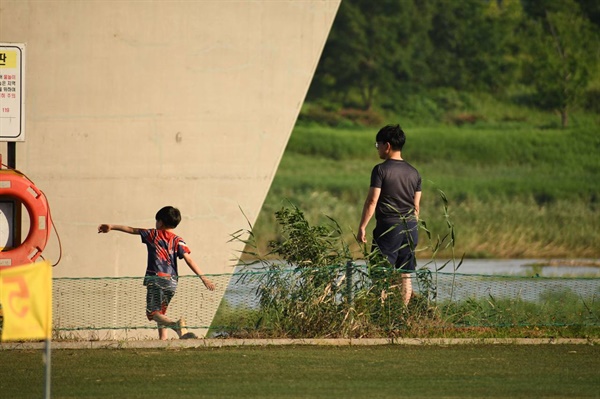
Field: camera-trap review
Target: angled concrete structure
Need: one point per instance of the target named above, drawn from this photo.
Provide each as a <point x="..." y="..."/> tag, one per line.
<point x="133" y="105"/>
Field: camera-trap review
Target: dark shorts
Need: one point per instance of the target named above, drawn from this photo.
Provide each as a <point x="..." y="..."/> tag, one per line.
<point x="397" y="241"/>
<point x="159" y="292"/>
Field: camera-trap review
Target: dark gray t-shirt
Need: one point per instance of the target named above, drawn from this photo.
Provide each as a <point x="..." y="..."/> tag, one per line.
<point x="398" y="181"/>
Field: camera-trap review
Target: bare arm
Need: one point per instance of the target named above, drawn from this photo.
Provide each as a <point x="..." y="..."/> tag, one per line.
<point x="367" y="213"/>
<point x="190" y="262"/>
<point x="417" y="204"/>
<point x="105" y="228"/>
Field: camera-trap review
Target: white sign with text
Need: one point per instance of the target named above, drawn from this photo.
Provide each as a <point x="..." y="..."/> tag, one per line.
<point x="12" y="92"/>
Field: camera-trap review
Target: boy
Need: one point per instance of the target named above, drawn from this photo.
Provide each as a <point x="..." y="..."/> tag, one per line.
<point x="164" y="247"/>
<point x="394" y="197"/>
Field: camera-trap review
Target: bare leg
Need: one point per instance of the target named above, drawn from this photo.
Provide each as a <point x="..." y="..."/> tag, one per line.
<point x="406" y="288"/>
<point x="162" y="333"/>
<point x="164" y="322"/>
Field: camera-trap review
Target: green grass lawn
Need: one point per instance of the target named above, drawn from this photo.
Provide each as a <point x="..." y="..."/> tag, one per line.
<point x="394" y="371"/>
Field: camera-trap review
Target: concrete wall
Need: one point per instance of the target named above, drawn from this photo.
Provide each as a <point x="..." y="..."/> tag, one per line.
<point x="133" y="105"/>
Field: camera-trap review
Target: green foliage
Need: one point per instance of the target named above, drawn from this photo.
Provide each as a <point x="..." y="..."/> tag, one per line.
<point x="591" y="101"/>
<point x="237" y="320"/>
<point x="344" y="117"/>
<point x="391" y="54"/>
<point x="478" y="55"/>
<point x="305" y="302"/>
<point x="554" y="309"/>
<point x="369" y="49"/>
<point x="333" y="144"/>
<point x="563" y="56"/>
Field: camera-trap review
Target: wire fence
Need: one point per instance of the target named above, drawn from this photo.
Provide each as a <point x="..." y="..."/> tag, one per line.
<point x="343" y="301"/>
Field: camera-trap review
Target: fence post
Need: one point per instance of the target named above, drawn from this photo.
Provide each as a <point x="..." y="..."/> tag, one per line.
<point x="349" y="289"/>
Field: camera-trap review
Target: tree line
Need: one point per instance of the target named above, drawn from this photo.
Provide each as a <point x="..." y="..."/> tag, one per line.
<point x="379" y="52"/>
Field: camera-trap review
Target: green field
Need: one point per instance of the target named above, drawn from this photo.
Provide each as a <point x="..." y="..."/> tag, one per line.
<point x="515" y="189"/>
<point x="392" y="371"/>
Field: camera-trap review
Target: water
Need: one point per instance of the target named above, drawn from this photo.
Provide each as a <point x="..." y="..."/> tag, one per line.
<point x="515" y="267"/>
<point x="525" y="267"/>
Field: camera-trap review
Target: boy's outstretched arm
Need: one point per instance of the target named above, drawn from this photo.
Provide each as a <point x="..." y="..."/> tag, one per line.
<point x="105" y="228"/>
<point x="190" y="262"/>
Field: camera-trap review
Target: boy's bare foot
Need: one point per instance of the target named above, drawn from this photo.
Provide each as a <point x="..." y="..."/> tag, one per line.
<point x="181" y="329"/>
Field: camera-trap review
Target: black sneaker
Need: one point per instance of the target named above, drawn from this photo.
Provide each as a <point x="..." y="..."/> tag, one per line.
<point x="189" y="335"/>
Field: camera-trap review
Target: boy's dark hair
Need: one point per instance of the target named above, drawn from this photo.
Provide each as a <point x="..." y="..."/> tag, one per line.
<point x="169" y="215"/>
<point x="392" y="134"/>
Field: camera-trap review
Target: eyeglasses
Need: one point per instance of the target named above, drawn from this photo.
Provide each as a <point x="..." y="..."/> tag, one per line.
<point x="377" y="145"/>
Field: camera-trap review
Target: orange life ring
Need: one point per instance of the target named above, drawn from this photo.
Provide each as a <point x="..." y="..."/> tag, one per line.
<point x="17" y="186"/>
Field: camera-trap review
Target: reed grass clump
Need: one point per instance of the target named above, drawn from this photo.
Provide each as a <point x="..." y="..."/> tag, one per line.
<point x="310" y="284"/>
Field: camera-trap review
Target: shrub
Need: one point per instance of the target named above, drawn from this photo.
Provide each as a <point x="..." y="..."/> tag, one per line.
<point x="591" y="100"/>
<point x="362" y="117"/>
<point x="345" y="117"/>
<point x="463" y="118"/>
<point x="321" y="116"/>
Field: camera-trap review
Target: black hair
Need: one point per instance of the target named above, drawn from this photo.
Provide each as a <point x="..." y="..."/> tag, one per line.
<point x="392" y="134"/>
<point x="169" y="215"/>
